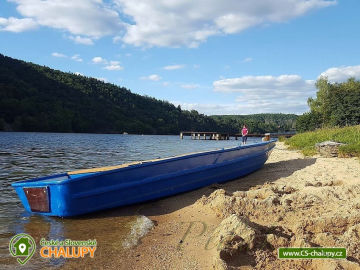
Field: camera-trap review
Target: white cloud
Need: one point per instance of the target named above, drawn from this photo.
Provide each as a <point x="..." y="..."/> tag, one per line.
<point x="190" y="86"/>
<point x="210" y="109"/>
<point x="117" y="39"/>
<point x="179" y="23"/>
<point x="247" y="60"/>
<point x="76" y="57"/>
<point x="99" y="60"/>
<point x="16" y="25"/>
<point x="173" y="67"/>
<point x="340" y="74"/>
<point x="60" y="55"/>
<point x="79" y="74"/>
<point x="153" y="77"/>
<point x="92" y="18"/>
<point x="263" y="94"/>
<point x="108" y="65"/>
<point x="82" y="40"/>
<point x="155" y="22"/>
<point x="243" y="108"/>
<point x="114" y="65"/>
<point x="264" y="84"/>
<point x="269" y="94"/>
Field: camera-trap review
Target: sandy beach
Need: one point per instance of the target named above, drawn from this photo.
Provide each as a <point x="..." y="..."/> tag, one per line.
<point x="293" y="201"/>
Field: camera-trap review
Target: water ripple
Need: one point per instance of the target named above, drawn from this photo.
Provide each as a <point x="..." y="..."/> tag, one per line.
<point x="29" y="155"/>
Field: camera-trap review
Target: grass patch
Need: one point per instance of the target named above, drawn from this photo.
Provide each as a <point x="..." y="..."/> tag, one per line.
<point x="351" y="150"/>
<point x="349" y="135"/>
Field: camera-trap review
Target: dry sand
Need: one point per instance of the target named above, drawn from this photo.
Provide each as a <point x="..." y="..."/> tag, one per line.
<point x="291" y="202"/>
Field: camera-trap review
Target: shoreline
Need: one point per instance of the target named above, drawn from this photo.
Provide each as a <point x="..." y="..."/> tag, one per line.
<point x="292" y="201"/>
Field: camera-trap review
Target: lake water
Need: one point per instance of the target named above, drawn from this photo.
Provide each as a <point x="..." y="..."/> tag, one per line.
<point x="29" y="155"/>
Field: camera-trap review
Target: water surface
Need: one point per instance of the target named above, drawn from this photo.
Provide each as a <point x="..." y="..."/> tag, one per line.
<point x="28" y="155"/>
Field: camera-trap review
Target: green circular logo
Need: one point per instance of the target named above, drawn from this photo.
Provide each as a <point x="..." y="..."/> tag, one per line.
<point x="22" y="246"/>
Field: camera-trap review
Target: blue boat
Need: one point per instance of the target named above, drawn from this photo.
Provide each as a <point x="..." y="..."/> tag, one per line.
<point x="79" y="192"/>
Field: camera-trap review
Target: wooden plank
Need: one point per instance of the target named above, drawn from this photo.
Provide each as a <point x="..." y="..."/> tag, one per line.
<point x="103" y="169"/>
<point x="109" y="168"/>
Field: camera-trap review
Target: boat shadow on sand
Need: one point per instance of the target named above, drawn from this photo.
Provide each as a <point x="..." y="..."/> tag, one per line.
<point x="270" y="172"/>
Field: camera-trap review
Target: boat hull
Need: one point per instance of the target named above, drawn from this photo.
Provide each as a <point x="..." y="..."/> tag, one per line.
<point x="69" y="195"/>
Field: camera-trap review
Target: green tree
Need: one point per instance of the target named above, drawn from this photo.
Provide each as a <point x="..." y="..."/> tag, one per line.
<point x="336" y="104"/>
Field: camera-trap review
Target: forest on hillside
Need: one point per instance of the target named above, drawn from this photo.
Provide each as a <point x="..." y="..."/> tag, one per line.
<point x="38" y="98"/>
<point x="258" y="123"/>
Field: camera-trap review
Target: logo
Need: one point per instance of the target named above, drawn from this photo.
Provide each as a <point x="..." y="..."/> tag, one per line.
<point x="67" y="248"/>
<point x="23" y="247"/>
<point x="312" y="253"/>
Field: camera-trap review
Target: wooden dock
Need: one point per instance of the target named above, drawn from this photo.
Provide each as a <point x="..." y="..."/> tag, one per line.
<point x="205" y="135"/>
<point x="212" y="135"/>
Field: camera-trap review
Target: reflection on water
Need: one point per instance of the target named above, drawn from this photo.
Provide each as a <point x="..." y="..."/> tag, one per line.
<point x="29" y="155"/>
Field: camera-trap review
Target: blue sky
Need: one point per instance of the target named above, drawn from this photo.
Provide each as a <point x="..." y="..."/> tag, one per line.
<point x="218" y="57"/>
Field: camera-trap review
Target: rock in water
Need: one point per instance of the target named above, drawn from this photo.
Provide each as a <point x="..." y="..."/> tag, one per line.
<point x="328" y="148"/>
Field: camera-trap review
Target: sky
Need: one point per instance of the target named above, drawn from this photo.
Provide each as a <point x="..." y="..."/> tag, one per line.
<point x="217" y="57"/>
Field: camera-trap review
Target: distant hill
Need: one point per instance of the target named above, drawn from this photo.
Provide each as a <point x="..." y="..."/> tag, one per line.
<point x="258" y="123"/>
<point x="38" y="98"/>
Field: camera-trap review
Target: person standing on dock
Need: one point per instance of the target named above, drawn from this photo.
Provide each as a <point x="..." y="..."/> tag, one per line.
<point x="244" y="133"/>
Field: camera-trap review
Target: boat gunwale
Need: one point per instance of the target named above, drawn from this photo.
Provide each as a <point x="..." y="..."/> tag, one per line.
<point x="157" y="178"/>
<point x="48" y="180"/>
<point x="195" y="170"/>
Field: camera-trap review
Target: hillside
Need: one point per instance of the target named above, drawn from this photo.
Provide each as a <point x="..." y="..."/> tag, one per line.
<point x="259" y="123"/>
<point x="38" y="98"/>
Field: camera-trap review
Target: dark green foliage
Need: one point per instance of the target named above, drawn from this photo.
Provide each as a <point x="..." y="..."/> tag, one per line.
<point x="258" y="123"/>
<point x="336" y="104"/>
<point x="37" y="98"/>
<point x="308" y="121"/>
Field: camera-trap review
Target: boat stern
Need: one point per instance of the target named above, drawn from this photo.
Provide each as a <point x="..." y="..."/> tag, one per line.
<point x="46" y="196"/>
<point x="34" y="199"/>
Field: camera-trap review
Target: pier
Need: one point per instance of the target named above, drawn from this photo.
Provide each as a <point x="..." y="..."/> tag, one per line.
<point x="212" y="135"/>
<point x="205" y="135"/>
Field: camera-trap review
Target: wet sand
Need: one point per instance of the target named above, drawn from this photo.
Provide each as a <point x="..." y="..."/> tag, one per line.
<point x="292" y="201"/>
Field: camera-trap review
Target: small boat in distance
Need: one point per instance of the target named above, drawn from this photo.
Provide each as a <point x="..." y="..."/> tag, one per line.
<point x="83" y="191"/>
